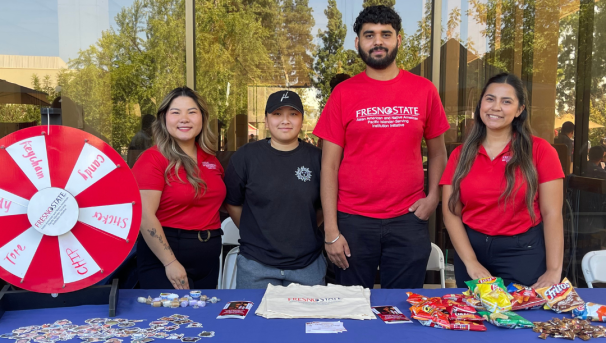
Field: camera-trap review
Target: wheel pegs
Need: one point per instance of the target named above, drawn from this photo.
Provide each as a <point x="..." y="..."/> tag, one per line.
<point x="63" y="285"/>
<point x="118" y="165"/>
<point x="127" y="240"/>
<point x="3" y="147"/>
<point x="43" y="133"/>
<point x="101" y="271"/>
<point x="133" y="202"/>
<point x="85" y="140"/>
<point x="21" y="280"/>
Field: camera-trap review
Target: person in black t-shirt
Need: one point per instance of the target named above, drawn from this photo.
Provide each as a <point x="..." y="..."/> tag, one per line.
<point x="273" y="196"/>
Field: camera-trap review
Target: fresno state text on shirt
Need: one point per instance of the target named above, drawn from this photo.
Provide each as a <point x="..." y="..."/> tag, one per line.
<point x="389" y="116"/>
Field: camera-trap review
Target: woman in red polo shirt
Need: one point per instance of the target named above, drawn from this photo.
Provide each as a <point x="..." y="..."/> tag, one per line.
<point x="182" y="189"/>
<point x="502" y="194"/>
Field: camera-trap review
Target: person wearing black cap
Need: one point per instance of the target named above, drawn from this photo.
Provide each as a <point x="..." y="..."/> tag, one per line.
<point x="273" y="196"/>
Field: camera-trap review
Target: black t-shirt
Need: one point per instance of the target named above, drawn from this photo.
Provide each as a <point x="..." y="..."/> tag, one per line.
<point x="595" y="171"/>
<point x="279" y="192"/>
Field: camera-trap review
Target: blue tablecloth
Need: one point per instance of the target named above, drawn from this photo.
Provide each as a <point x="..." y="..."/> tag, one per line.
<point x="258" y="329"/>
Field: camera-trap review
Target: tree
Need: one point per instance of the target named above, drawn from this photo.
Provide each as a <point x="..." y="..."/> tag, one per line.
<point x="230" y="55"/>
<point x="388" y="3"/>
<point x="331" y="57"/>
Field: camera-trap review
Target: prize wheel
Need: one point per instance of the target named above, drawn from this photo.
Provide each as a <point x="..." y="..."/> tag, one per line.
<point x="70" y="209"/>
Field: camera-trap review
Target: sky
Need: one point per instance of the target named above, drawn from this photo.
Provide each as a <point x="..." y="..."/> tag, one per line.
<point x="63" y="27"/>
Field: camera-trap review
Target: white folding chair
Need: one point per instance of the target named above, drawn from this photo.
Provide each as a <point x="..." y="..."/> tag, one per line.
<point x="230" y="269"/>
<point x="436" y="262"/>
<point x="594" y="267"/>
<point x="231" y="235"/>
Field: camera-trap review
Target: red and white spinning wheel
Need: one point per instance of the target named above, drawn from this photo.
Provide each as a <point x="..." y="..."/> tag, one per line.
<point x="70" y="209"/>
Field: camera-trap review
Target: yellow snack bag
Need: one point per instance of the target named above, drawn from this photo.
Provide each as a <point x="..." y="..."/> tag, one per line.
<point x="493" y="298"/>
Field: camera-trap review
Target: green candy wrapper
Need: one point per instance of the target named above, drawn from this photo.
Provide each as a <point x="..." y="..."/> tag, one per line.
<point x="513" y="320"/>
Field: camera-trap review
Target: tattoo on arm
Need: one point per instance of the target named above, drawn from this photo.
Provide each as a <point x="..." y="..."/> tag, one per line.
<point x="154" y="234"/>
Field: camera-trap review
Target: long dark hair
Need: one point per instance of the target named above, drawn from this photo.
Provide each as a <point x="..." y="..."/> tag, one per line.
<point x="521" y="146"/>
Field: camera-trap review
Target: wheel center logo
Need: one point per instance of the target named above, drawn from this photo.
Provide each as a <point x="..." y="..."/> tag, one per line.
<point x="53" y="211"/>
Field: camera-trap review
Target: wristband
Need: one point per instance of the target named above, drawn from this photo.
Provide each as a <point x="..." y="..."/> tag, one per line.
<point x="334" y="240"/>
<point x="166" y="265"/>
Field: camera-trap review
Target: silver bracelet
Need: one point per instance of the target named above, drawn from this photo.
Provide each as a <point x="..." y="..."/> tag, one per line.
<point x="334" y="240"/>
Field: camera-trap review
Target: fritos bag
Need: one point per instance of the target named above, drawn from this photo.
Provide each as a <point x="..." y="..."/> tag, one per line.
<point x="561" y="297"/>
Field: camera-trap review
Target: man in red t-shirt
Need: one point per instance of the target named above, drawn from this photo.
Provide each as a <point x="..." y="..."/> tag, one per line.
<point x="375" y="209"/>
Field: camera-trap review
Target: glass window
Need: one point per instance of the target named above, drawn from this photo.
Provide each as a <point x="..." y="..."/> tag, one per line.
<point x="248" y="49"/>
<point x="99" y="66"/>
<point x="555" y="47"/>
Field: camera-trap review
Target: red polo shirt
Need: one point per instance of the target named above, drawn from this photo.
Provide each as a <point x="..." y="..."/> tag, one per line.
<point x="380" y="126"/>
<point x="178" y="208"/>
<point x="482" y="187"/>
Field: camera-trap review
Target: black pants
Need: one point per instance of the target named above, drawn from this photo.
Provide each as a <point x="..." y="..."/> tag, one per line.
<point x="200" y="259"/>
<point x="520" y="258"/>
<point x="400" y="246"/>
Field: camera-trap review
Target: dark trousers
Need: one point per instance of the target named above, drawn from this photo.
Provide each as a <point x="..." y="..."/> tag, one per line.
<point x="520" y="258"/>
<point x="200" y="259"/>
<point x="400" y="246"/>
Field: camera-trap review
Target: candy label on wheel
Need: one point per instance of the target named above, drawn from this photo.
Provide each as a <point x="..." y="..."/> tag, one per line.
<point x="30" y="156"/>
<point x="11" y="204"/>
<point x="92" y="166"/>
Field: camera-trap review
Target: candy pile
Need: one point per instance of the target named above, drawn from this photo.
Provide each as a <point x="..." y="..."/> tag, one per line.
<point x="449" y="313"/>
<point x="194" y="299"/>
<point x="569" y="328"/>
<point x="107" y="330"/>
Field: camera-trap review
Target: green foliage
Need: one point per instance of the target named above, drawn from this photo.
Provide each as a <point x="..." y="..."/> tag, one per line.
<point x="331" y="57"/>
<point x="388" y="3"/>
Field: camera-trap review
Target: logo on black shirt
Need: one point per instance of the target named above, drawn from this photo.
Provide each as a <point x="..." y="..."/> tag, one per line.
<point x="303" y="174"/>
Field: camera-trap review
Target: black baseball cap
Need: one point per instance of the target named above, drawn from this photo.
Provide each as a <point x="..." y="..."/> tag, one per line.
<point x="284" y="98"/>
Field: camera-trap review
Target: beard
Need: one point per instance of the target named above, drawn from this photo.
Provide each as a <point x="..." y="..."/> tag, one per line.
<point x="378" y="63"/>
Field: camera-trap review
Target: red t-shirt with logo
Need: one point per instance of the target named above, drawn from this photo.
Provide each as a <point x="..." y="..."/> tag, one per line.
<point x="178" y="208"/>
<point x="483" y="186"/>
<point x="380" y="125"/>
